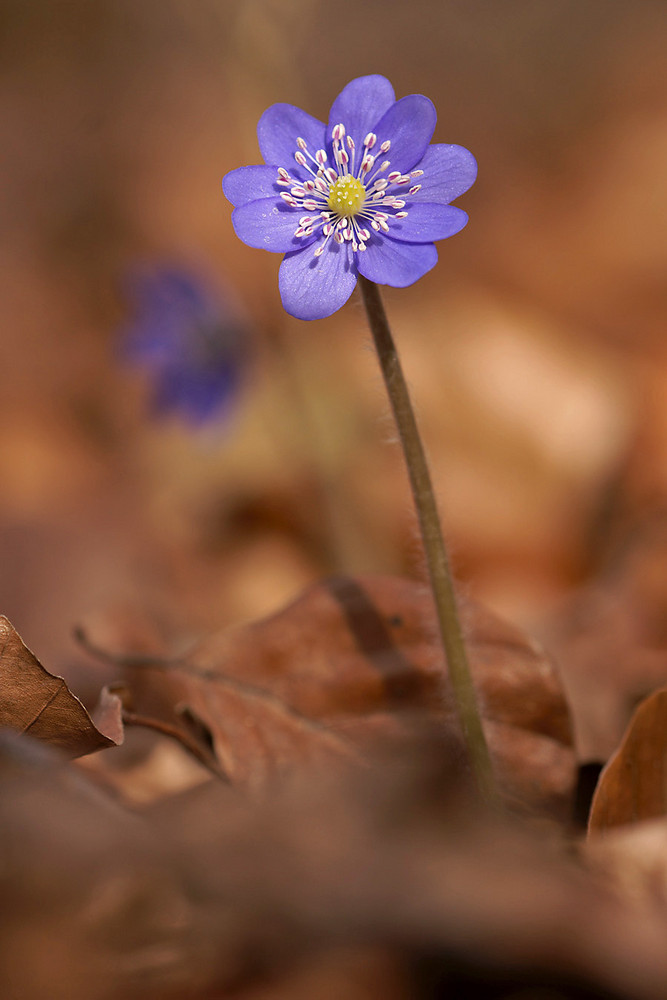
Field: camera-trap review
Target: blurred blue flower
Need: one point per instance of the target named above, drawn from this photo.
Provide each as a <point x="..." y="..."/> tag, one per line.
<point x="190" y="340"/>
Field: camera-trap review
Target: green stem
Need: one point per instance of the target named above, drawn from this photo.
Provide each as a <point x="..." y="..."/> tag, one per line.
<point x="434" y="545"/>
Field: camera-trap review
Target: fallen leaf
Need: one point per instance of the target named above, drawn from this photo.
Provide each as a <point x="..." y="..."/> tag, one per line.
<point x="351" y="664"/>
<point x="633" y="785"/>
<point x="35" y="702"/>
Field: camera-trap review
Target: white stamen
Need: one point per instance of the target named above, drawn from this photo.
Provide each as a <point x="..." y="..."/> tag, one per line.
<point x="376" y="206"/>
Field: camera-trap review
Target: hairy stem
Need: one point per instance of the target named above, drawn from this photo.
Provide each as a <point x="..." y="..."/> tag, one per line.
<point x="431" y="532"/>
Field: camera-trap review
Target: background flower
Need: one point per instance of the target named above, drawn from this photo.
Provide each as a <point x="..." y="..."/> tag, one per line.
<point x="189" y="338"/>
<point x="364" y="195"/>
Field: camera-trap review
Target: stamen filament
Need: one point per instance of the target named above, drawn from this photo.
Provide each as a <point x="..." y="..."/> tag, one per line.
<point x="343" y="197"/>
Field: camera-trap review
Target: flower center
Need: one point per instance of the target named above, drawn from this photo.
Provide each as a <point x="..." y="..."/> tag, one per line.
<point x="346" y="196"/>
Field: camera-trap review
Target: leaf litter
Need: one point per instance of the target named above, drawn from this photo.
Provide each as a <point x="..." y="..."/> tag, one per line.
<point x="343" y="848"/>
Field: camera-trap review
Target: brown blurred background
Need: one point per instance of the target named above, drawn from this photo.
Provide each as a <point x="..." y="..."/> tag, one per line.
<point x="536" y="349"/>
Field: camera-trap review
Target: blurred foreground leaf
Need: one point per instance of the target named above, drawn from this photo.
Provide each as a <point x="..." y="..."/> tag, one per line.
<point x="394" y="876"/>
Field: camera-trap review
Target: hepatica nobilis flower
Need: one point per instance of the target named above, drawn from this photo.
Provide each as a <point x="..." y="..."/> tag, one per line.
<point x="365" y="194"/>
<point x="191" y="340"/>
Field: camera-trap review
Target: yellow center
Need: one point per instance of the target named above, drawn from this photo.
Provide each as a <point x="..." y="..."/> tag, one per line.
<point x="346" y="196"/>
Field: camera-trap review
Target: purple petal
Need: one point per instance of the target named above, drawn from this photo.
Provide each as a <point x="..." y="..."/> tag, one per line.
<point x="448" y="172"/>
<point x="360" y="105"/>
<point x="399" y="264"/>
<point x="250" y="184"/>
<point x="427" y="222"/>
<point x="314" y="287"/>
<point x="269" y="224"/>
<point x="409" y="125"/>
<point x="277" y="131"/>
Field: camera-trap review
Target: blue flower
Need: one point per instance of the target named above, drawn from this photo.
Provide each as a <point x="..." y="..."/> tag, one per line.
<point x="191" y="341"/>
<point x="365" y="194"/>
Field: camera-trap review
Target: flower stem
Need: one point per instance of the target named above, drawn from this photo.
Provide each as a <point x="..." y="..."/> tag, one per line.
<point x="431" y="532"/>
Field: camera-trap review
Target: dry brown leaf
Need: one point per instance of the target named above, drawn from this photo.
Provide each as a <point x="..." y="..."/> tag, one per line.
<point x="633" y="785"/>
<point x="35" y="702"/>
<point x="351" y="664"/>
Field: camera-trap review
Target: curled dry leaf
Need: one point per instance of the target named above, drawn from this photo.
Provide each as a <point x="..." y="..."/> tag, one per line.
<point x="350" y="665"/>
<point x="633" y="785"/>
<point x="35" y="702"/>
